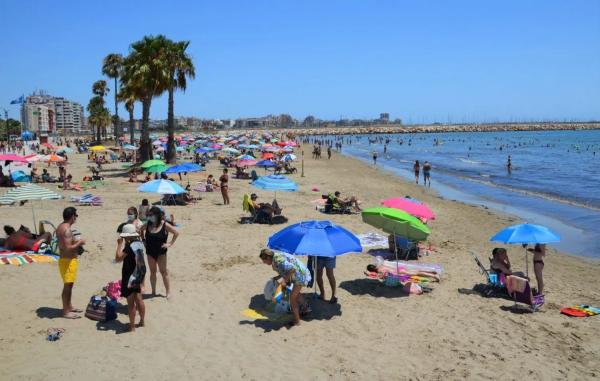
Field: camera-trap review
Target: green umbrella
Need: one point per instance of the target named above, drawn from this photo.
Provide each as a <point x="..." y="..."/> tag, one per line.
<point x="151" y="163"/>
<point x="156" y="168"/>
<point x="397" y="222"/>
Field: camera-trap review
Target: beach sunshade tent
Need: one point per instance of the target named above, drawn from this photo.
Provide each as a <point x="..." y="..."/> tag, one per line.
<point x="28" y="192"/>
<point x="397" y="222"/>
<point x="161" y="187"/>
<point x="418" y="210"/>
<point x="526" y="234"/>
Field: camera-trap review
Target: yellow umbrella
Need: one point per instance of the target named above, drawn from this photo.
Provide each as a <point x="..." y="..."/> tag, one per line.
<point x="98" y="148"/>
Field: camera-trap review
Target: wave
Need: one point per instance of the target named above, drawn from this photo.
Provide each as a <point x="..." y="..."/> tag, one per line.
<point x="469" y="161"/>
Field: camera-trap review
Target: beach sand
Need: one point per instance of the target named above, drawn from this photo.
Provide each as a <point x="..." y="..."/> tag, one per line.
<point x="373" y="333"/>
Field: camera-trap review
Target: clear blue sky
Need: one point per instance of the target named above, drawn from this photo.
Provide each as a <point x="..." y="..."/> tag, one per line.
<point x="421" y="61"/>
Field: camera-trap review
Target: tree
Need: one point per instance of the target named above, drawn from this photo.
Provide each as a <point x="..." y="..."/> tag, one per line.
<point x="309" y="121"/>
<point x="285" y="121"/>
<point x="112" y="65"/>
<point x="9" y="127"/>
<point x="99" y="114"/>
<point x="145" y="72"/>
<point x="127" y="95"/>
<point x="180" y="67"/>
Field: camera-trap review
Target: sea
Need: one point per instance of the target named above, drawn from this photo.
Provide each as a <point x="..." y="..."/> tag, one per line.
<point x="554" y="178"/>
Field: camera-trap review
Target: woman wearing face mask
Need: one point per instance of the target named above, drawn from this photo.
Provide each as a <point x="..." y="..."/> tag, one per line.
<point x="132" y="218"/>
<point x="155" y="234"/>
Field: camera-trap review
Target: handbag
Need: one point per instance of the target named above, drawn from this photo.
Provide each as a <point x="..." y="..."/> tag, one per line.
<point x="101" y="308"/>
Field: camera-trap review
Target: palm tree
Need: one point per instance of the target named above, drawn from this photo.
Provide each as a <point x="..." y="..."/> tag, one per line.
<point x="144" y="70"/>
<point x="180" y="66"/>
<point x="127" y="95"/>
<point x="98" y="113"/>
<point x="112" y="65"/>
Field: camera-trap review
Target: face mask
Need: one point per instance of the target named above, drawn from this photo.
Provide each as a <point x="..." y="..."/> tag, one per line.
<point x="152" y="219"/>
<point x="130" y="217"/>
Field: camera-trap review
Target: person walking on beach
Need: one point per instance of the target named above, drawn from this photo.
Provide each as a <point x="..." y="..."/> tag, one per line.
<point x="539" y="252"/>
<point x="427" y="174"/>
<point x="130" y="250"/>
<point x="374" y="158"/>
<point x="328" y="152"/>
<point x="417" y="169"/>
<point x="155" y="235"/>
<point x="509" y="165"/>
<point x="69" y="249"/>
<point x="224" y="179"/>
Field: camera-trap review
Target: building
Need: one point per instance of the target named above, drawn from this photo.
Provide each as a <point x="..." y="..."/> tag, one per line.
<point x="384" y="118"/>
<point x="42" y="113"/>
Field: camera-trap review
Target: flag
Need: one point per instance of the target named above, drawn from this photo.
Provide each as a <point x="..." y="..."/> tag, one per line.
<point x="17" y="101"/>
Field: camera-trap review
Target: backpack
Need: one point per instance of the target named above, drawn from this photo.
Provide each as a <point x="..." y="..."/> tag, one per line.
<point x="101" y="308"/>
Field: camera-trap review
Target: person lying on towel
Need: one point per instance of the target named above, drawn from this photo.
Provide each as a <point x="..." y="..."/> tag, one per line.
<point x="23" y="239"/>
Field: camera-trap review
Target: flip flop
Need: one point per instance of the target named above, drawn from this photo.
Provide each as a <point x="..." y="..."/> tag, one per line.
<point x="76" y="310"/>
<point x="71" y="316"/>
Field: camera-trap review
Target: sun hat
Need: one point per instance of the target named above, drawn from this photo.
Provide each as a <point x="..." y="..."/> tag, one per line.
<point x="129" y="230"/>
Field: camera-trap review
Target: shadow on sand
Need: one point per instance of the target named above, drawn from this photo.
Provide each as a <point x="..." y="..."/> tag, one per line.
<point x="49" y="312"/>
<point x="373" y="287"/>
<point x="320" y="311"/>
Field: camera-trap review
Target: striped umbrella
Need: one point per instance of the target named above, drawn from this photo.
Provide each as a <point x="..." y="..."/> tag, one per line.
<point x="28" y="192"/>
<point x="162" y="187"/>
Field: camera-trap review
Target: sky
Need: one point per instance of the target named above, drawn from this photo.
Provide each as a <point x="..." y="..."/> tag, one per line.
<point x="421" y="61"/>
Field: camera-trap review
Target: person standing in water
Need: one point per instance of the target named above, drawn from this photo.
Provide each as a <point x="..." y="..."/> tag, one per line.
<point x="417" y="169"/>
<point x="374" y="158"/>
<point x="426" y="174"/>
<point x="509" y="165"/>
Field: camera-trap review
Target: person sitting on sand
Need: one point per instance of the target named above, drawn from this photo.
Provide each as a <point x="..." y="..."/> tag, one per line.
<point x="130" y="250"/>
<point x="352" y="201"/>
<point x="23" y="239"/>
<point x="211" y="183"/>
<point x="539" y="252"/>
<point x="291" y="271"/>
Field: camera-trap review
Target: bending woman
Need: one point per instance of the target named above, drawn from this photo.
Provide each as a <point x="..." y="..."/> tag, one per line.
<point x="292" y="271"/>
<point x="155" y="235"/>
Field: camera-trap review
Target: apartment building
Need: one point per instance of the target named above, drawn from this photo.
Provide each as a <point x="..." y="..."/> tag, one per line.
<point x="42" y="113"/>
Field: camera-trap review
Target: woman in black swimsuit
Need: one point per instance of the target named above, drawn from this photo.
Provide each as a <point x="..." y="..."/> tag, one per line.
<point x="224" y="179"/>
<point x="155" y="234"/>
<point x="539" y="252"/>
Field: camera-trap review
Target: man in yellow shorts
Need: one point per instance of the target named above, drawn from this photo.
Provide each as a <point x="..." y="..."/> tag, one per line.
<point x="67" y="264"/>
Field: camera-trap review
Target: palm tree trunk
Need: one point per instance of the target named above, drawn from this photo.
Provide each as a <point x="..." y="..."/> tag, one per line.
<point x="171" y="130"/>
<point x="98" y="134"/>
<point x="131" y="126"/>
<point x="117" y="126"/>
<point x="145" y="145"/>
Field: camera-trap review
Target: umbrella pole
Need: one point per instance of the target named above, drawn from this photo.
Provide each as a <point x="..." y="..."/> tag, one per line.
<point x="396" y="252"/>
<point x="315" y="275"/>
<point x="526" y="262"/>
<point x="33" y="213"/>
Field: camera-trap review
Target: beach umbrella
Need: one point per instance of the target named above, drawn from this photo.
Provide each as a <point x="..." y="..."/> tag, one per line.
<point x="204" y="150"/>
<point x="97" y="148"/>
<point x="526" y="234"/>
<point x="162" y="187"/>
<point x="287" y="149"/>
<point x="151" y="163"/>
<point x="266" y="163"/>
<point x="397" y="222"/>
<point x="28" y="192"/>
<point x="230" y="150"/>
<point x="129" y="147"/>
<point x="267" y="156"/>
<point x="184" y="167"/>
<point x="49" y="146"/>
<point x="421" y="211"/>
<point x="159" y="168"/>
<point x="315" y="238"/>
<point x="246" y="157"/>
<point x="52" y="158"/>
<point x="289" y="157"/>
<point x="275" y="183"/>
<point x="33" y="158"/>
<point x="65" y="150"/>
<point x="245" y="163"/>
<point x="13" y="157"/>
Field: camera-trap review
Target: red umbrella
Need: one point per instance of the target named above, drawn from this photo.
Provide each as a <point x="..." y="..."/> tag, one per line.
<point x="13" y="157"/>
<point x="268" y="155"/>
<point x="418" y="210"/>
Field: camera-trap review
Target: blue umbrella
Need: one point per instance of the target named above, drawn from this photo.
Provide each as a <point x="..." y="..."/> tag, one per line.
<point x="246" y="157"/>
<point x="524" y="234"/>
<point x="316" y="238"/>
<point x="203" y="150"/>
<point x="184" y="167"/>
<point x="275" y="183"/>
<point x="265" y="163"/>
<point x="161" y="186"/>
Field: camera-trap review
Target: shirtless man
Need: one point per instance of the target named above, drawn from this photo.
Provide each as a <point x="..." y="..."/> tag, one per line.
<point x="68" y="262"/>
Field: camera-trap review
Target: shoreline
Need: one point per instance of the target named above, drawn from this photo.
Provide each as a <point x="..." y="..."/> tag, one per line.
<point x="216" y="273"/>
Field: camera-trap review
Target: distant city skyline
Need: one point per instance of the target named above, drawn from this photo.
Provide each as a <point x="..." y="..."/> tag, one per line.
<point x="422" y="62"/>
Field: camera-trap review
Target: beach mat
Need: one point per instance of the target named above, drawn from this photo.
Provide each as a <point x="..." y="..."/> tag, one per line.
<point x="580" y="311"/>
<point x="19" y="258"/>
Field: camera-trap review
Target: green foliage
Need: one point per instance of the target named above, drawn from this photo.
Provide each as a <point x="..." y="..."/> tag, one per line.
<point x="14" y="128"/>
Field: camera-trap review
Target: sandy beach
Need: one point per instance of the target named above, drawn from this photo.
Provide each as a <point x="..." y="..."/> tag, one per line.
<point x="373" y="333"/>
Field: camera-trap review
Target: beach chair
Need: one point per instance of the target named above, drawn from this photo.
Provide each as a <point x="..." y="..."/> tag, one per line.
<point x="521" y="292"/>
<point x="248" y="207"/>
<point x="90" y="200"/>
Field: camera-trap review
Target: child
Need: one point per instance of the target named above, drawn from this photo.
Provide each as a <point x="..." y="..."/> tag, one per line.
<point x="130" y="250"/>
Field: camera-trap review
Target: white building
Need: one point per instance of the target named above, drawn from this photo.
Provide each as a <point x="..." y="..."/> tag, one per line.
<point x="42" y="113"/>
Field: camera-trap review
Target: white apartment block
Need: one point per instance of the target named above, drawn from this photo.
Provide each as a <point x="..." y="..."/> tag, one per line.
<point x="47" y="114"/>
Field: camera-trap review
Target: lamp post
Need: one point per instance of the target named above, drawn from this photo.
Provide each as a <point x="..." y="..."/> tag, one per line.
<point x="302" y="173"/>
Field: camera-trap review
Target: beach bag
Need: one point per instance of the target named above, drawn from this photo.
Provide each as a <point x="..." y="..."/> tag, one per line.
<point x="113" y="290"/>
<point x="101" y="308"/>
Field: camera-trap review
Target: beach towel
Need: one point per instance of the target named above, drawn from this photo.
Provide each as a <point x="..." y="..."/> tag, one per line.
<point x="19" y="258"/>
<point x="515" y="284"/>
<point x="373" y="240"/>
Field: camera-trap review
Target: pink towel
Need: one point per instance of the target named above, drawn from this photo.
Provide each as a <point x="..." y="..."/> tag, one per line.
<point x="515" y="284"/>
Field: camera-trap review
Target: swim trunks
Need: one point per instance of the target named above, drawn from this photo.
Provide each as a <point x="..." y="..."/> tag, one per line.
<point x="68" y="269"/>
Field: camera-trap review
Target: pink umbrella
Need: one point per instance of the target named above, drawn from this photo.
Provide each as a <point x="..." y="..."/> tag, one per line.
<point x="245" y="163"/>
<point x="13" y="157"/>
<point x="216" y="146"/>
<point x="421" y="211"/>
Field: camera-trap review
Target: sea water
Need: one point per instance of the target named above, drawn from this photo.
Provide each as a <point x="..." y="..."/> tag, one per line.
<point x="554" y="180"/>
